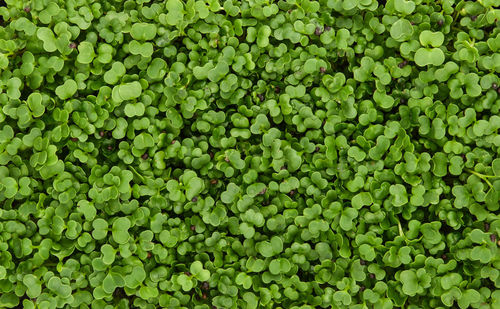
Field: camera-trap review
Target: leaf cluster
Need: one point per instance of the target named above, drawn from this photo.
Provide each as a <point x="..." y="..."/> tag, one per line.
<point x="249" y="154"/>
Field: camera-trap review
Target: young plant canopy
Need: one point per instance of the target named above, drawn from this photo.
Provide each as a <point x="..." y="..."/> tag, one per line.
<point x="249" y="154"/>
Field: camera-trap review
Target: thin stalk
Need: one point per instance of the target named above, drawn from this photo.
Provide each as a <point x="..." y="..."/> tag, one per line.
<point x="137" y="174"/>
<point x="483" y="177"/>
<point x="400" y="228"/>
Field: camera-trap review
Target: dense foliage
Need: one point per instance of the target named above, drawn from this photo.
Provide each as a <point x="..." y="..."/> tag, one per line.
<point x="249" y="154"/>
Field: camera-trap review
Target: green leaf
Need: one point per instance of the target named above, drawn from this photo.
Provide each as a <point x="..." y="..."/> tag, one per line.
<point x="66" y="90"/>
<point x="185" y="282"/>
<point x="143" y="31"/>
<point x="361" y="199"/>
<point x="198" y="272"/>
<point x="481" y="253"/>
<point x="35" y="104"/>
<point x="218" y="72"/>
<point x="367" y="252"/>
<point x="405" y="7"/>
<point x="55" y="285"/>
<point x="429" y="56"/>
<point x="229" y="196"/>
<point x="399" y="194"/>
<point x="157" y="69"/>
<point x="410" y="282"/>
<point x="120" y="230"/>
<point x="495" y="165"/>
<point x="48" y="39"/>
<point x="194" y="187"/>
<point x="401" y="30"/>
<point x="85" y="53"/>
<point x="10" y="186"/>
<point x="127" y="91"/>
<point x="33" y="284"/>
<point x="175" y="12"/>
<point x="256" y="189"/>
<point x="449" y="280"/>
<point x="263" y="36"/>
<point x="143" y="141"/>
<point x="429" y="38"/>
<point x="279" y="266"/>
<point x="347" y="217"/>
<point x="115" y="73"/>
